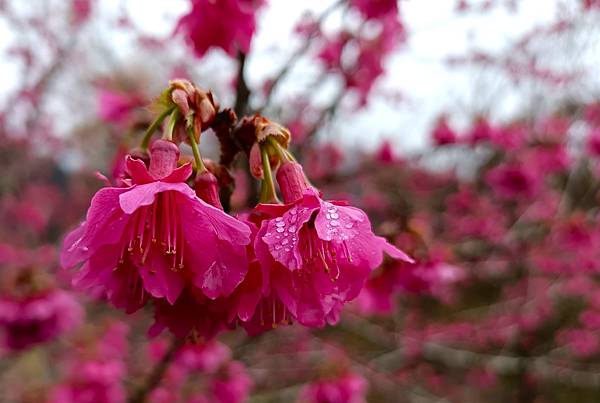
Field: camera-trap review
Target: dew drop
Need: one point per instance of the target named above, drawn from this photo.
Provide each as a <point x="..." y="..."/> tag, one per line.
<point x="277" y="247"/>
<point x="335" y="215"/>
<point x="280" y="229"/>
<point x="280" y="224"/>
<point x="284" y="242"/>
<point x="278" y="219"/>
<point x="292" y="228"/>
<point x="349" y="225"/>
<point x="334" y="223"/>
<point x="332" y="209"/>
<point x="328" y="216"/>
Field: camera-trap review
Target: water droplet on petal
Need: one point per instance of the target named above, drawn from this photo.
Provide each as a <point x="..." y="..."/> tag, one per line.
<point x="334" y="223"/>
<point x="335" y="215"/>
<point x="349" y="225"/>
<point x="292" y="228"/>
<point x="328" y="216"/>
<point x="277" y="247"/>
<point x="280" y="223"/>
<point x="284" y="242"/>
<point x="279" y="219"/>
<point x="280" y="229"/>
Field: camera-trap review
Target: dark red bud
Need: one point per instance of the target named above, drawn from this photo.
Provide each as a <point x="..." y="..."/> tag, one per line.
<point x="207" y="189"/>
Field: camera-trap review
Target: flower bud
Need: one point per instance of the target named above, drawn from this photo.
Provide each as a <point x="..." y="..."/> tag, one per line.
<point x="291" y="180"/>
<point x="206" y="186"/>
<point x="163" y="158"/>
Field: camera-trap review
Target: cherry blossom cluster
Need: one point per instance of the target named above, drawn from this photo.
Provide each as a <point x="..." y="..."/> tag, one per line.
<point x="161" y="235"/>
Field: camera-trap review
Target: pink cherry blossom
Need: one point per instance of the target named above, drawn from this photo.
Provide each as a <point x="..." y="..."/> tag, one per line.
<point x="512" y="181"/>
<point x="156" y="236"/>
<point x="442" y="133"/>
<point x="318" y="254"/>
<point x="225" y="24"/>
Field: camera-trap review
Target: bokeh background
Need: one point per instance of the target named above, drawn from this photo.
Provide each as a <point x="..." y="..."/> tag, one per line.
<point x="469" y="130"/>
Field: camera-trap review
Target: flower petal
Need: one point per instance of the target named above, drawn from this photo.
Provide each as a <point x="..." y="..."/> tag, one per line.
<point x="282" y="235"/>
<point x="144" y="195"/>
<point x="138" y="171"/>
<point x="339" y="223"/>
<point x="105" y="223"/>
<point x="159" y="279"/>
<point x="180" y="174"/>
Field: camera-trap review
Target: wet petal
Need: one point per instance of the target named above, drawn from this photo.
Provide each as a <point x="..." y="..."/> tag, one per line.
<point x="282" y="235"/>
<point x="339" y="223"/>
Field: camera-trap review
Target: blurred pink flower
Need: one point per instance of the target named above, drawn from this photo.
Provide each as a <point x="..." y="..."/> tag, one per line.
<point x="36" y="319"/>
<point x="582" y="343"/>
<point x="117" y="107"/>
<point x="347" y="388"/>
<point x="442" y="133"/>
<point x="231" y="385"/>
<point x="225" y="24"/>
<point x="513" y="181"/>
<point x="94" y="373"/>
<point x="376" y="8"/>
<point x="593" y="143"/>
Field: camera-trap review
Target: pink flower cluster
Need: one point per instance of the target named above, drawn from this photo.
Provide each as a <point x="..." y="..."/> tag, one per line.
<point x="163" y="237"/>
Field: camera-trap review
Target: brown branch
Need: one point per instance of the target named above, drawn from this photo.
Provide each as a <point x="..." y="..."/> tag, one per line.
<point x="293" y="59"/>
<point x="139" y="396"/>
<point x="242" y="91"/>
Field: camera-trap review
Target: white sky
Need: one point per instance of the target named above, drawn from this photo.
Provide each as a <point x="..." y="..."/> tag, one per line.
<point x="417" y="70"/>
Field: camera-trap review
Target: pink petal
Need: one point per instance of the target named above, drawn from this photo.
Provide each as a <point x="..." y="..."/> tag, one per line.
<point x="261" y="250"/>
<point x="216" y="242"/>
<point x="105" y="223"/>
<point x="340" y="224"/>
<point x="393" y="251"/>
<point x="223" y="267"/>
<point x="180" y="174"/>
<point x="159" y="280"/>
<point x="208" y="218"/>
<point x="138" y="171"/>
<point x="144" y="195"/>
<point x="282" y="235"/>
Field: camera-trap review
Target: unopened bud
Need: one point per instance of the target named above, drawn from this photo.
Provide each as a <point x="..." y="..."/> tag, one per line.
<point x="163" y="158"/>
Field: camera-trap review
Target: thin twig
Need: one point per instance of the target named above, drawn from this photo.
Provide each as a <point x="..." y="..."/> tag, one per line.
<point x="139" y="396"/>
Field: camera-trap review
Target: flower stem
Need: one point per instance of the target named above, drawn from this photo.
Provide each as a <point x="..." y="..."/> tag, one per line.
<point x="282" y="152"/>
<point x="168" y="134"/>
<point x="200" y="167"/>
<point x="153" y="126"/>
<point x="267" y="190"/>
